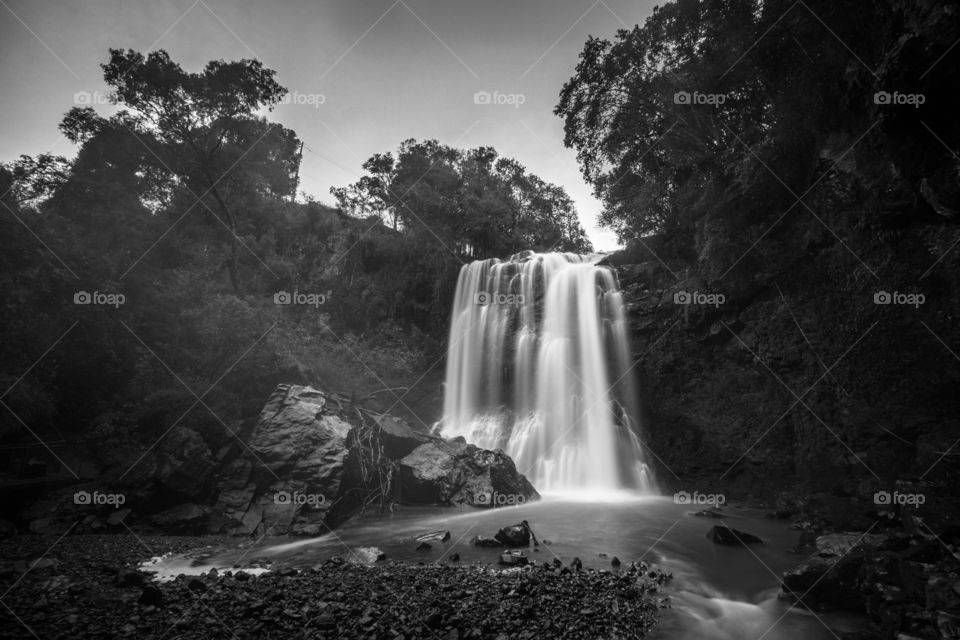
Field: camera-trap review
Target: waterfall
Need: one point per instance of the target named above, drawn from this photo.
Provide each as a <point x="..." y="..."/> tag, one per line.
<point x="539" y="365"/>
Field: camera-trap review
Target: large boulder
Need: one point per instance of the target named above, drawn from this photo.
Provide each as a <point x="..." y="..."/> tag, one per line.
<point x="309" y="463"/>
<point x="451" y="472"/>
<point x="293" y="470"/>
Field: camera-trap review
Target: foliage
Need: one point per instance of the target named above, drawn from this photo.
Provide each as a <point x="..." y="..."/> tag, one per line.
<point x="710" y="121"/>
<point x="478" y="205"/>
<point x="181" y="203"/>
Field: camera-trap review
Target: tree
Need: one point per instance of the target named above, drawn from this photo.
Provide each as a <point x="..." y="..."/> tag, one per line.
<point x="200" y="134"/>
<point x="473" y="202"/>
<point x="708" y="121"/>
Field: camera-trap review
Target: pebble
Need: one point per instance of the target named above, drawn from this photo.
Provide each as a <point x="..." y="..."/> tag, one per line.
<point x="338" y="600"/>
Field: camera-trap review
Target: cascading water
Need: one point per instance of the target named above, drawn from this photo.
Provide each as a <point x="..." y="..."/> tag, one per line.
<point x="539" y="365"/>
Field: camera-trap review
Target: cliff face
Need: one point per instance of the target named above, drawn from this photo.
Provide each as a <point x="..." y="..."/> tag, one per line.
<point x="836" y="371"/>
<point x="830" y="365"/>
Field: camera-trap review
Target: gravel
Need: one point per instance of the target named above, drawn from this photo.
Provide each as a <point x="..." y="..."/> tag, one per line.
<point x="87" y="586"/>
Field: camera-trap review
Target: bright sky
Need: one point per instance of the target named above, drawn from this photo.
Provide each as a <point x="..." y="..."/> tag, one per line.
<point x="363" y="74"/>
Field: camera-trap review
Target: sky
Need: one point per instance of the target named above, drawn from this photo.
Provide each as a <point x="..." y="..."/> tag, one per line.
<point x="363" y="75"/>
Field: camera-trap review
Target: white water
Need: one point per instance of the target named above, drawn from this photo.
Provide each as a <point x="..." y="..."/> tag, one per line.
<point x="718" y="593"/>
<point x="539" y="364"/>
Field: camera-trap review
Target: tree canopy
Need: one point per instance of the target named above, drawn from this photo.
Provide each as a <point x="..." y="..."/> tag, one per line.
<point x="475" y="202"/>
<point x="713" y="118"/>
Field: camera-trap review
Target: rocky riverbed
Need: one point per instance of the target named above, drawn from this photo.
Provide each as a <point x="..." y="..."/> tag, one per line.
<point x="87" y="586"/>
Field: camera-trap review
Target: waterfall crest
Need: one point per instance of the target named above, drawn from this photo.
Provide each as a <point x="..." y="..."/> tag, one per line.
<point x="539" y="364"/>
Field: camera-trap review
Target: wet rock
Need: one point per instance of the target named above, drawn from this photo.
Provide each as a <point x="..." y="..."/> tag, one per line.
<point x="517" y="535"/>
<point x="197" y="585"/>
<point x="731" y="537"/>
<point x="129" y="578"/>
<point x="482" y="541"/>
<point x="116" y="518"/>
<point x="838" y="544"/>
<point x="426" y="474"/>
<point x="151" y="596"/>
<point x="513" y="557"/>
<point x="326" y="622"/>
<point x="434" y="536"/>
<point x="446" y="472"/>
<point x="299" y="439"/>
<point x="708" y="513"/>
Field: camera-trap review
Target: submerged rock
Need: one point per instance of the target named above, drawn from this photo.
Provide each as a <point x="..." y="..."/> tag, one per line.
<point x="724" y="535"/>
<point x="517" y="535"/>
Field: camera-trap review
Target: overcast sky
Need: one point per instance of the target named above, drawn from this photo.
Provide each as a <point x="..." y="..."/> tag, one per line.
<point x="363" y="74"/>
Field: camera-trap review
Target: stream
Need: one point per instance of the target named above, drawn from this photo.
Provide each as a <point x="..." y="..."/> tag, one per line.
<point x="717" y="592"/>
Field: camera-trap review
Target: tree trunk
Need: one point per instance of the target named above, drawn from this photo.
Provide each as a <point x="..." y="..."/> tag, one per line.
<point x="232" y="226"/>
